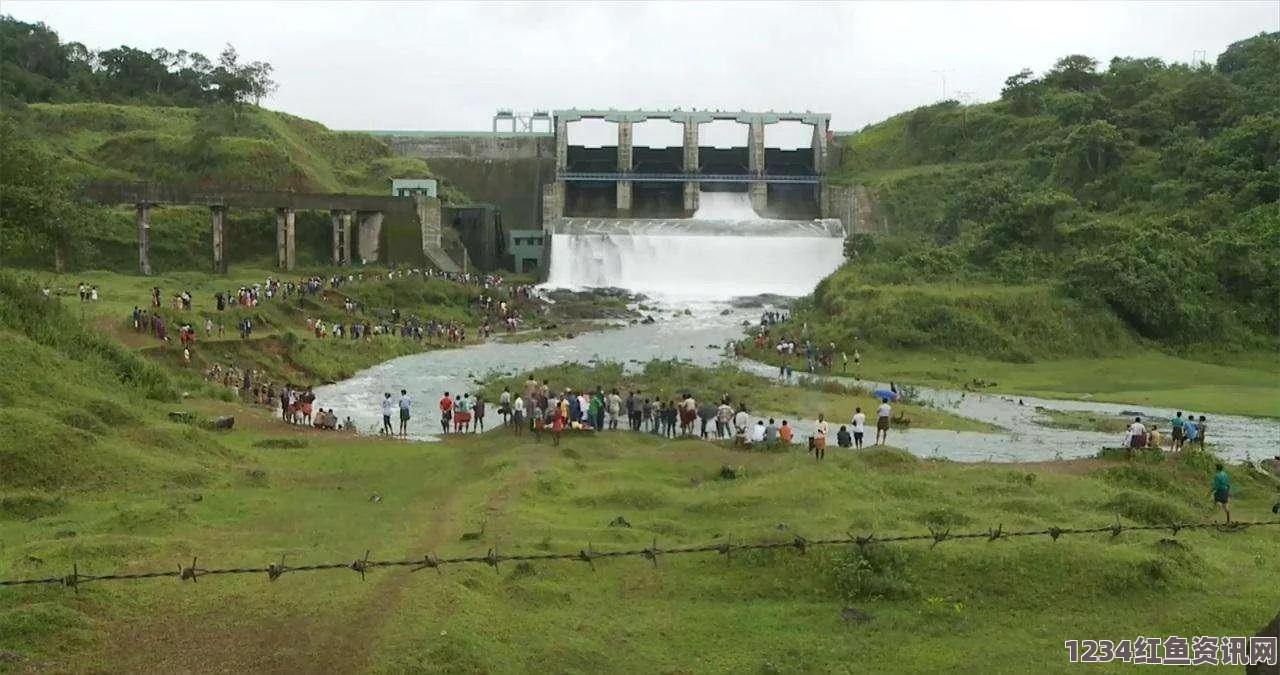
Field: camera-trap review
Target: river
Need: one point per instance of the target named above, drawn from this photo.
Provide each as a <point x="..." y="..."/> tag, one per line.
<point x="699" y="336"/>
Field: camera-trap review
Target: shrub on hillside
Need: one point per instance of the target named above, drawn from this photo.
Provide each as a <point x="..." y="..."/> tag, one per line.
<point x="25" y="309"/>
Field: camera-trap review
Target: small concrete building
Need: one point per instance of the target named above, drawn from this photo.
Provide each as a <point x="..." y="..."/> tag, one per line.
<point x="407" y="187"/>
<point x="526" y="249"/>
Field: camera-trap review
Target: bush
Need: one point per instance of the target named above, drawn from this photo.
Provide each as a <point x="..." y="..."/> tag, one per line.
<point x="871" y="572"/>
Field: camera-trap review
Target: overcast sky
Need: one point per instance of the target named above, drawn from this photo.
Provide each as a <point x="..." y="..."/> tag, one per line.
<point x="450" y="65"/>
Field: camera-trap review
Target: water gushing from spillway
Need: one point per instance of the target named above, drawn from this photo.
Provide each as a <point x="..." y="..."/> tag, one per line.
<point x="724" y="206"/>
<point x="725" y="251"/>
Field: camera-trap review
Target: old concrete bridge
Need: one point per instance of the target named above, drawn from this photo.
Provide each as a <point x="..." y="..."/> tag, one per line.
<point x="365" y="212"/>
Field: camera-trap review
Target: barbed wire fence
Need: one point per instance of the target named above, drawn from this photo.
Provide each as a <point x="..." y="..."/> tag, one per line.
<point x="589" y="555"/>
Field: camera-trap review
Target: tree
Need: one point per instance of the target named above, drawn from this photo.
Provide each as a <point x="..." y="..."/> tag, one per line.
<point x="1092" y="150"/>
<point x="1254" y="66"/>
<point x="1074" y="73"/>
<point x="36" y="67"/>
<point x="1022" y="92"/>
<point x="37" y="212"/>
<point x="258" y="74"/>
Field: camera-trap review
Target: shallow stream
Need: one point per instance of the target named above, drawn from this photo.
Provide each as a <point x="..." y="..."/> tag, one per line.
<point x="699" y="336"/>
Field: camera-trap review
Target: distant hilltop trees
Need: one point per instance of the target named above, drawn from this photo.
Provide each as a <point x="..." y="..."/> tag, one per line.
<point x="37" y="67"/>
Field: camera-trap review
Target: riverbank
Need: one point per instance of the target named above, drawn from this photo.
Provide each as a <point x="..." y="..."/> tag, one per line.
<point x="281" y="346"/>
<point x="273" y="490"/>
<point x="1242" y="385"/>
<point x="97" y="476"/>
<point x="667" y="381"/>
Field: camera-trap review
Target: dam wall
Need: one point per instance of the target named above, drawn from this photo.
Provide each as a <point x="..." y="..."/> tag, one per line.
<point x="502" y="170"/>
<point x="528" y="178"/>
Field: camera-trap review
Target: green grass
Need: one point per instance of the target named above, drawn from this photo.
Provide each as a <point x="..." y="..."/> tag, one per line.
<point x="1241" y="384"/>
<point x="780" y="609"/>
<point x="95" y="477"/>
<point x="1018" y="324"/>
<point x="1077" y="420"/>
<point x="257" y="146"/>
<point x="667" y="380"/>
<point x="281" y="347"/>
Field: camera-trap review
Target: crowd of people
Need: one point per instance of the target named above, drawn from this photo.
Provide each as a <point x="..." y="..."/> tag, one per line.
<point x="815" y="356"/>
<point x="1183" y="432"/>
<point x="537" y="409"/>
<point x="495" y="302"/>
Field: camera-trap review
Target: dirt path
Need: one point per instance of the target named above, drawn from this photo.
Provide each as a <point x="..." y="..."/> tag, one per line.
<point x="343" y="639"/>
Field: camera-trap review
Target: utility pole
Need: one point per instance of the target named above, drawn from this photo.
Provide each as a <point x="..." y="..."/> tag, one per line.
<point x="943" y="75"/>
<point x="966" y="99"/>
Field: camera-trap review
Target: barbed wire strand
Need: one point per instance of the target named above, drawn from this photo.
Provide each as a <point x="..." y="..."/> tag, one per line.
<point x="589" y="555"/>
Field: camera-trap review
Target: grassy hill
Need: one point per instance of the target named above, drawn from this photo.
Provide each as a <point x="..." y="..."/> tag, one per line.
<point x="1088" y="211"/>
<point x="223" y="145"/>
<point x="239" y="146"/>
<point x="94" y="476"/>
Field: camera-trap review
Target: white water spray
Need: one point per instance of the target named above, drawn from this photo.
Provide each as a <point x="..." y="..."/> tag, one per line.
<point x="724" y="206"/>
<point x="726" y="251"/>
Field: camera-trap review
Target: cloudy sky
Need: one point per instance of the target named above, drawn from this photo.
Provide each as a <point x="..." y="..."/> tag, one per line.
<point x="450" y="65"/>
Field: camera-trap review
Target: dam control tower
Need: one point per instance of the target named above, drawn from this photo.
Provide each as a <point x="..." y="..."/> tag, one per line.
<point x="628" y="181"/>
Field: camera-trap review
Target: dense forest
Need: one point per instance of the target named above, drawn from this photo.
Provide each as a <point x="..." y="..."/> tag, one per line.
<point x="37" y="67"/>
<point x="1145" y="188"/>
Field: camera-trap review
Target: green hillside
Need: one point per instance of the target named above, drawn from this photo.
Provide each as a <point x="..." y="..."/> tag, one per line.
<point x="69" y="116"/>
<point x="1088" y="210"/>
<point x="250" y="147"/>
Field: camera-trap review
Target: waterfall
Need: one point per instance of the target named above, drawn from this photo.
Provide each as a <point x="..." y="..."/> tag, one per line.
<point x="725" y="251"/>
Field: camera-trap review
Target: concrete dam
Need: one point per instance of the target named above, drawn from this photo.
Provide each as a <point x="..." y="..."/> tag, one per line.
<point x="660" y="220"/>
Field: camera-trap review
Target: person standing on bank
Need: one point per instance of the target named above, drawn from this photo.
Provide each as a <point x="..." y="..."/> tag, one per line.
<point x="859" y="427"/>
<point x="388" y="406"/>
<point x="1222" y="490"/>
<point x="820" y="438"/>
<point x="882" y="422"/>
<point x="405" y="406"/>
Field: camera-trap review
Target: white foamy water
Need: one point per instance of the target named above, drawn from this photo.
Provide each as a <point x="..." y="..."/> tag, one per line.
<point x="724" y="206"/>
<point x="725" y="251"/>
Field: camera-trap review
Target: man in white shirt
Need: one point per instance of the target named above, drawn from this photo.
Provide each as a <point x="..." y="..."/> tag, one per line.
<point x="820" y="439"/>
<point x="882" y="422"/>
<point x="504" y="405"/>
<point x="1137" y="436"/>
<point x="859" y="427"/>
<point x="405" y="406"/>
<point x="757" y="433"/>
<point x="388" y="408"/>
<point x="517" y="415"/>
<point x="724" y="420"/>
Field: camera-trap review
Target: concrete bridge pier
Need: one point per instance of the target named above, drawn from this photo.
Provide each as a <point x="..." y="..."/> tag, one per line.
<point x="346" y="239"/>
<point x="284" y="238"/>
<point x="562" y="143"/>
<point x="370" y="235"/>
<point x="336" y="218"/>
<point x="691" y="164"/>
<point x="819" y="153"/>
<point x="625" y="155"/>
<point x="552" y="201"/>
<point x="144" y="238"/>
<point x="218" y="220"/>
<point x="757" y="190"/>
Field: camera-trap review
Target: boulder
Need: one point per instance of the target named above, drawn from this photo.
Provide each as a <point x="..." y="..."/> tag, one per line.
<point x="223" y="423"/>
